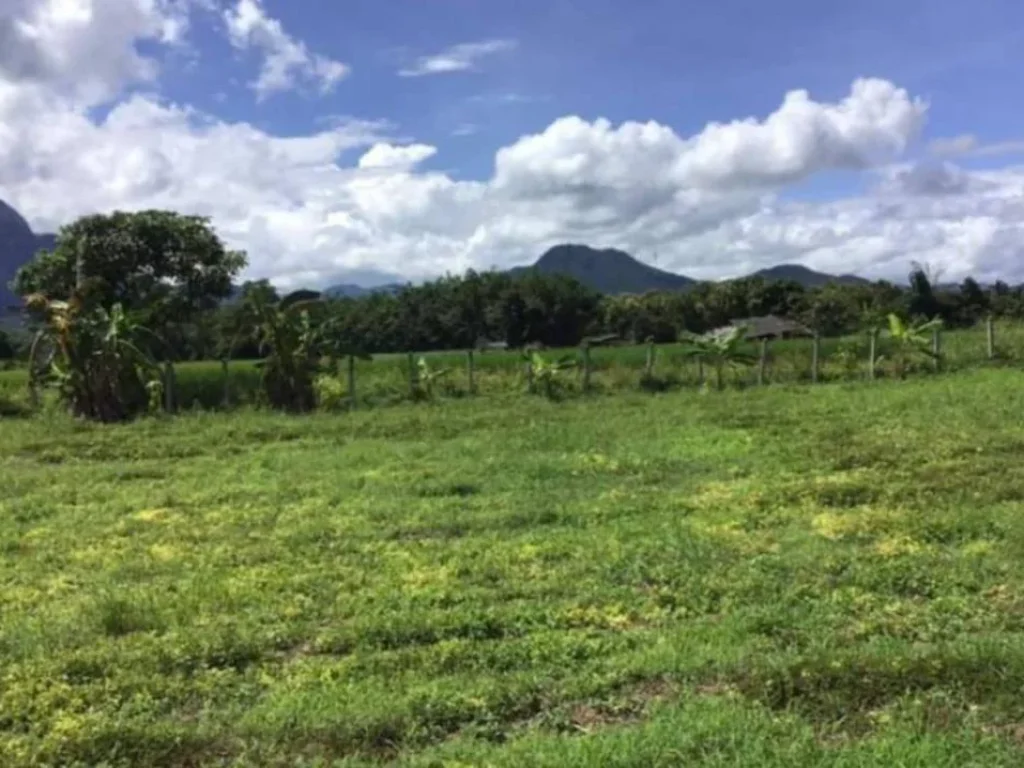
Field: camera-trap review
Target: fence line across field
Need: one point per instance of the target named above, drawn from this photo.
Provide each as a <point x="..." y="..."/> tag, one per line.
<point x="601" y="366"/>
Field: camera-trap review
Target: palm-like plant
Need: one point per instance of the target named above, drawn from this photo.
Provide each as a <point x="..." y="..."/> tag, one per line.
<point x="719" y="349"/>
<point x="291" y="344"/>
<point x="910" y="340"/>
<point x="426" y="378"/>
<point x="548" y="374"/>
<point x="93" y="355"/>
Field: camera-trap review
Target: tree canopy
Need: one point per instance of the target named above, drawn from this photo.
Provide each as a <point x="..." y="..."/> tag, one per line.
<point x="164" y="265"/>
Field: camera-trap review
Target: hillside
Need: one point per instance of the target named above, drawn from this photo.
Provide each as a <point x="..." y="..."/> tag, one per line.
<point x="806" y="276"/>
<point x="353" y="291"/>
<point x="18" y="244"/>
<point x="608" y="270"/>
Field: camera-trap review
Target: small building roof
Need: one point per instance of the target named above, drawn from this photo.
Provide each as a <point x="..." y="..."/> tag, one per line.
<point x="771" y="327"/>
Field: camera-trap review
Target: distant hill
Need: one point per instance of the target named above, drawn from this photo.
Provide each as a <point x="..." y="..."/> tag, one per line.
<point x="18" y="244"/>
<point x="352" y="291"/>
<point x="805" y="276"/>
<point x="608" y="270"/>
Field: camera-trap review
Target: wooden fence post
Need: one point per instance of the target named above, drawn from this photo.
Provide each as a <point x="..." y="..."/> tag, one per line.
<point x="412" y="373"/>
<point x="33" y="371"/>
<point x="872" y="349"/>
<point x="815" y="357"/>
<point x="471" y="369"/>
<point x="937" y="348"/>
<point x="990" y="337"/>
<point x="170" y="399"/>
<point x="352" y="382"/>
<point x="649" y="364"/>
<point x="762" y="361"/>
<point x="586" y="366"/>
<point x="226" y="383"/>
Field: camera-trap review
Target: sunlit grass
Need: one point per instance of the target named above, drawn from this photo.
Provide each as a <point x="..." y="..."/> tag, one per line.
<point x="792" y="576"/>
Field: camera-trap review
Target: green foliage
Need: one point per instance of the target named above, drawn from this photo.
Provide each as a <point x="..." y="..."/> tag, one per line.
<point x="828" y="576"/>
<point x="93" y="356"/>
<point x="8" y="351"/>
<point x="426" y="378"/>
<point x="160" y="266"/>
<point x="548" y="376"/>
<point x="293" y="347"/>
<point x="331" y="393"/>
<point x="719" y="349"/>
<point x="909" y="340"/>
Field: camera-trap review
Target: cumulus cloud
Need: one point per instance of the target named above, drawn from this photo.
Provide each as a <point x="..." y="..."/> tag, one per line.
<point x="85" y="51"/>
<point x="458" y="58"/>
<point x="925" y="178"/>
<point x="874" y="123"/>
<point x="390" y="156"/>
<point x="353" y="199"/>
<point x="286" y="61"/>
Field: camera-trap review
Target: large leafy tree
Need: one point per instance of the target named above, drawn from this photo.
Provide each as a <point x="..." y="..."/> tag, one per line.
<point x="161" y="266"/>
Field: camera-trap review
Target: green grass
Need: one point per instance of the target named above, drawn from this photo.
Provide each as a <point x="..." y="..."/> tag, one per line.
<point x="793" y="576"/>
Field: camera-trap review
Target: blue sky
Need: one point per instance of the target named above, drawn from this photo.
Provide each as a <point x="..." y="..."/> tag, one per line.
<point x="414" y="137"/>
<point x="683" y="64"/>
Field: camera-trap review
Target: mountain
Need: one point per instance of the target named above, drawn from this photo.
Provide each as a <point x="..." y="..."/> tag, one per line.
<point x="805" y="276"/>
<point x="353" y="291"/>
<point x="18" y="244"/>
<point x="607" y="271"/>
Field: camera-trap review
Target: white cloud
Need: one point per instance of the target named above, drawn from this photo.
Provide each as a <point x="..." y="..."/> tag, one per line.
<point x="953" y="145"/>
<point x="875" y="122"/>
<point x="84" y="50"/>
<point x="287" y="61"/>
<point x="968" y="145"/>
<point x="352" y="196"/>
<point x="458" y="58"/>
<point x="392" y="157"/>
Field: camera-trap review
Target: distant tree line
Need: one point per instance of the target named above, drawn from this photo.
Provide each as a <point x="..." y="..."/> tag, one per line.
<point x="173" y="276"/>
<point x="558" y="311"/>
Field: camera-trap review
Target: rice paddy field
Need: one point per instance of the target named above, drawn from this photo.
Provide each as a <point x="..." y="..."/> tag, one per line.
<point x="778" y="576"/>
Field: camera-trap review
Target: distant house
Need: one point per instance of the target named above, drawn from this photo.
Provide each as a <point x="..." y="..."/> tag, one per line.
<point x="771" y="327"/>
<point x="491" y="346"/>
<point x="606" y="340"/>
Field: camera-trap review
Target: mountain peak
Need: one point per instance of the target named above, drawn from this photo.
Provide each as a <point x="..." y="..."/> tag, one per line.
<point x="806" y="276"/>
<point x="607" y="270"/>
<point x="18" y="245"/>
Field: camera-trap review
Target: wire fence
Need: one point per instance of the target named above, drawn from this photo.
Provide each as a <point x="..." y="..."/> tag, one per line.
<point x="392" y="378"/>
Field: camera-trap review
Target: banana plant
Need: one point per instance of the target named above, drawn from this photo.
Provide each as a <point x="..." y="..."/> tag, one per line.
<point x="548" y="374"/>
<point x="291" y="345"/>
<point x="910" y="340"/>
<point x="719" y="349"/>
<point x="426" y="378"/>
<point x="94" y="357"/>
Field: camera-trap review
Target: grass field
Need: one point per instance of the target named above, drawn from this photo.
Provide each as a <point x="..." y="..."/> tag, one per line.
<point x="792" y="576"/>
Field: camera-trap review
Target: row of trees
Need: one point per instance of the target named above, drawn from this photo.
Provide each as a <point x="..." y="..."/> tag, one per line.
<point x="557" y="311"/>
<point x="122" y="292"/>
